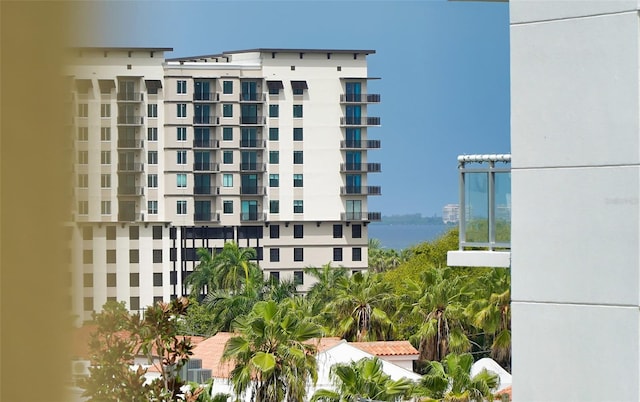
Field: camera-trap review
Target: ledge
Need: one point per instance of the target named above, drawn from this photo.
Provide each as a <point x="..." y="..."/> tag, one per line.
<point x="477" y="258"/>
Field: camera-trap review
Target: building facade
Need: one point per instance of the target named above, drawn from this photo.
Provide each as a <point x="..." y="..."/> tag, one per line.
<point x="265" y="147"/>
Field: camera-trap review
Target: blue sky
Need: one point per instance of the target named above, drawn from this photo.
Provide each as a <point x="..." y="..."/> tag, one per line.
<point x="444" y="68"/>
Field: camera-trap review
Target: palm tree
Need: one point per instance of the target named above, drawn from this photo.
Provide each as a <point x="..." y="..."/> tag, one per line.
<point x="364" y="380"/>
<point x="203" y="278"/>
<point x="452" y="381"/>
<point x="235" y="266"/>
<point x="272" y="357"/>
<point x="326" y="278"/>
<point x="359" y="307"/>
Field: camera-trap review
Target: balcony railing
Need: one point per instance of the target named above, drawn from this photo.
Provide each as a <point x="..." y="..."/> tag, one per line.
<point x="206" y="217"/>
<point x="360" y="144"/>
<point x="129" y="216"/>
<point x="131" y="144"/>
<point x="257" y="143"/>
<point x="252" y="190"/>
<point x="130" y="167"/>
<point x="360" y="190"/>
<point x="206" y="97"/>
<point x="205" y="120"/>
<point x="130" y="97"/>
<point x="206" y="167"/>
<point x="361" y="167"/>
<point x="206" y="143"/>
<point x="252" y="120"/>
<point x="252" y="167"/>
<point x="361" y="216"/>
<point x="130" y="120"/>
<point x="359" y="121"/>
<point x="252" y="216"/>
<point x="360" y="98"/>
<point x="206" y="190"/>
<point x="130" y="190"/>
<point x="252" y="97"/>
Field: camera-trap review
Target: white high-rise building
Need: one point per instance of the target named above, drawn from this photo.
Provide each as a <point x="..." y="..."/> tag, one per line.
<point x="265" y="147"/>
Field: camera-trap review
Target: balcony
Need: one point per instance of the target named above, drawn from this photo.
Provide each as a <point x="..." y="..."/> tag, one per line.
<point x="253" y="190"/>
<point x="253" y="120"/>
<point x="206" y="217"/>
<point x="130" y="167"/>
<point x="360" y="144"/>
<point x="252" y="216"/>
<point x="252" y="97"/>
<point x="206" y="167"/>
<point x="252" y="167"/>
<point x="360" y="98"/>
<point x="258" y="143"/>
<point x="359" y="121"/>
<point x="361" y="167"/>
<point x="130" y="97"/>
<point x="360" y="190"/>
<point x="210" y="144"/>
<point x="361" y="216"/>
<point x="206" y="97"/>
<point x="484" y="211"/>
<point x="206" y="190"/>
<point x="130" y="191"/>
<point x="130" y="144"/>
<point x="129" y="216"/>
<point x="205" y="120"/>
<point x="130" y="120"/>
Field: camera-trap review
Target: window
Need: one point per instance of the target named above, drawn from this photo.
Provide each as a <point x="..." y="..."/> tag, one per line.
<point x="182" y="87"/>
<point x="83" y="110"/>
<point x="227" y="110"/>
<point x="274" y="180"/>
<point x="298" y="231"/>
<point x="87" y="304"/>
<point x="157" y="256"/>
<point x="152" y="134"/>
<point x="298" y="254"/>
<point x="274" y="277"/>
<point x="274" y="157"/>
<point x="152" y="157"/>
<point x="83" y="157"/>
<point x="227" y="207"/>
<point x="181" y="157"/>
<point x="297" y="157"/>
<point x="297" y="180"/>
<point x="83" y="180"/>
<point x="337" y="254"/>
<point x="227" y="157"/>
<point x="274" y="206"/>
<point x="337" y="231"/>
<point x="152" y="180"/>
<point x="227" y="87"/>
<point x="181" y="133"/>
<point x="274" y="110"/>
<point x="274" y="231"/>
<point x="83" y="207"/>
<point x="111" y="280"/>
<point x="356" y="231"/>
<point x="227" y="134"/>
<point x="87" y="280"/>
<point x="87" y="233"/>
<point x="297" y="134"/>
<point x="111" y="256"/>
<point x="181" y="207"/>
<point x="134" y="302"/>
<point x="83" y="133"/>
<point x="134" y="279"/>
<point x="105" y="157"/>
<point x="227" y="180"/>
<point x="111" y="232"/>
<point x="297" y="110"/>
<point x="105" y="207"/>
<point x="87" y="256"/>
<point x="182" y="110"/>
<point x="157" y="278"/>
<point x="297" y="206"/>
<point x="152" y="207"/>
<point x="298" y="278"/>
<point x="105" y="110"/>
<point x="274" y="133"/>
<point x="181" y="180"/>
<point x="134" y="232"/>
<point x="274" y="255"/>
<point x="152" y="110"/>
<point x="105" y="134"/>
<point x="356" y="254"/>
<point x="157" y="232"/>
<point x="134" y="256"/>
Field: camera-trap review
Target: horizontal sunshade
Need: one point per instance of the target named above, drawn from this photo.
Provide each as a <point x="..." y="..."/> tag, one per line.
<point x="299" y="85"/>
<point x="82" y="86"/>
<point x="106" y="86"/>
<point x="273" y="85"/>
<point x="153" y="85"/>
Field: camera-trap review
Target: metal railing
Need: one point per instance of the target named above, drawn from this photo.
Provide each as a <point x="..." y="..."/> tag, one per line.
<point x="361" y="216"/>
<point x="206" y="120"/>
<point x="252" y="216"/>
<point x="359" y="121"/>
<point x="206" y="143"/>
<point x="252" y="190"/>
<point x="361" y="167"/>
<point x="130" y="167"/>
<point x="133" y="144"/>
<point x="205" y="190"/>
<point x="253" y="120"/>
<point x="252" y="167"/>
<point x="130" y="97"/>
<point x="257" y="143"/>
<point x="130" y="190"/>
<point x="206" y="217"/>
<point x="360" y="190"/>
<point x="360" y="98"/>
<point x="252" y="97"/>
<point x="206" y="97"/>
<point x="130" y="120"/>
<point x="205" y="167"/>
<point x="360" y="144"/>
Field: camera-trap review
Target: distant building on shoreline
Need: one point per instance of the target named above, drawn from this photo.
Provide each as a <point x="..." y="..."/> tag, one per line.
<point x="451" y="214"/>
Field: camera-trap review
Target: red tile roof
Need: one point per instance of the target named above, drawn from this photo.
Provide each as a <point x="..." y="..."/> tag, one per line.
<point x="506" y="390"/>
<point x="210" y="352"/>
<point x="386" y="348"/>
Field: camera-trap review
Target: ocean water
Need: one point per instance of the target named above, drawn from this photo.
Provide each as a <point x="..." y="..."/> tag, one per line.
<point x="401" y="236"/>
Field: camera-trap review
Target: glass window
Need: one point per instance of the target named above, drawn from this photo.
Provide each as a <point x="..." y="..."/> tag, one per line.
<point x="297" y="110"/>
<point x="87" y="233"/>
<point x="274" y="206"/>
<point x="337" y="231"/>
<point x="182" y="109"/>
<point x="152" y="157"/>
<point x="152" y="110"/>
<point x="181" y="133"/>
<point x="152" y="207"/>
<point x="83" y="180"/>
<point x="83" y="133"/>
<point x="152" y="134"/>
<point x="356" y="231"/>
<point x="134" y="256"/>
<point x="337" y="254"/>
<point x="83" y="110"/>
<point x="134" y="232"/>
<point x="182" y="157"/>
<point x="298" y="254"/>
<point x="297" y="157"/>
<point x="227" y="87"/>
<point x="182" y="87"/>
<point x="87" y="304"/>
<point x="298" y="206"/>
<point x="274" y="134"/>
<point x="274" y="231"/>
<point x="227" y="110"/>
<point x="134" y="279"/>
<point x="274" y="157"/>
<point x="227" y="157"/>
<point x="134" y="302"/>
<point x="87" y="256"/>
<point x="157" y="232"/>
<point x="227" y="207"/>
<point x="356" y="254"/>
<point x="105" y="134"/>
<point x="274" y="110"/>
<point x="274" y="277"/>
<point x="298" y="278"/>
<point x="297" y="180"/>
<point x="83" y="207"/>
<point x="298" y="231"/>
<point x="105" y="207"/>
<point x="105" y="157"/>
<point x="274" y="180"/>
<point x="152" y="180"/>
<point x="274" y="254"/>
<point x="227" y="180"/>
<point x="111" y="232"/>
<point x="181" y="180"/>
<point x="157" y="257"/>
<point x="105" y="110"/>
<point x="181" y="207"/>
<point x="157" y="276"/>
<point x="297" y="134"/>
<point x="111" y="256"/>
<point x="87" y="280"/>
<point x="83" y="157"/>
<point x="227" y="134"/>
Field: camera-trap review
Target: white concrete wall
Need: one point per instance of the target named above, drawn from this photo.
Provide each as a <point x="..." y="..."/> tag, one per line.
<point x="575" y="186"/>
